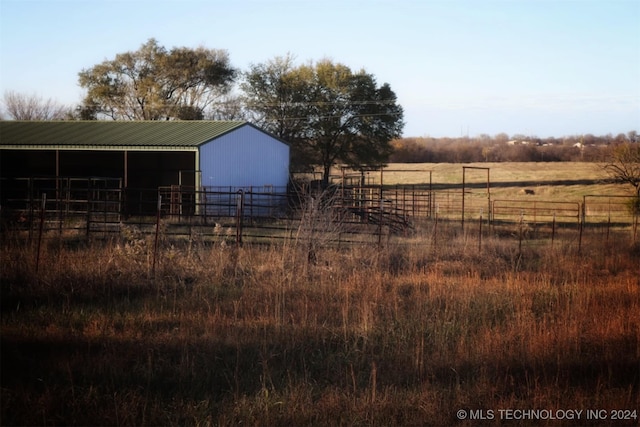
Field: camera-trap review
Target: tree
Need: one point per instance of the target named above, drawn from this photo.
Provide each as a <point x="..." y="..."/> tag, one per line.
<point x="623" y="165"/>
<point x="229" y="107"/>
<point x="277" y="96"/>
<point x="155" y="84"/>
<point x="328" y="113"/>
<point x="32" y="107"/>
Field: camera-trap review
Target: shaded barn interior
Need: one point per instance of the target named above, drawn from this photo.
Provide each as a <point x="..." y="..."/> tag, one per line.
<point x="138" y="173"/>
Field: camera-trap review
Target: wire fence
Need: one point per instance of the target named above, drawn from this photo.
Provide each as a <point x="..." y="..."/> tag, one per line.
<point x="101" y="207"/>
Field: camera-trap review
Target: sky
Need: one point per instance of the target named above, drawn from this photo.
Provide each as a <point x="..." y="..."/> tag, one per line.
<point x="545" y="68"/>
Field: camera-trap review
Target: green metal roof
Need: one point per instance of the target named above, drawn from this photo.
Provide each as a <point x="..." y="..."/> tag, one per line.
<point x="103" y="134"/>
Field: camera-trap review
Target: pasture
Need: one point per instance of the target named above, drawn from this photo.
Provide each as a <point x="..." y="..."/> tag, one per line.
<point x="407" y="331"/>
<point x="550" y="180"/>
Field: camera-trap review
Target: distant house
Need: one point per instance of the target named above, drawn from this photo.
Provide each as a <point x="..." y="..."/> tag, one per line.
<point x="517" y="142"/>
<point x="145" y="154"/>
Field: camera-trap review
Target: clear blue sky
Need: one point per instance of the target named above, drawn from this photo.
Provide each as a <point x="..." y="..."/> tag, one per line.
<point x="533" y="67"/>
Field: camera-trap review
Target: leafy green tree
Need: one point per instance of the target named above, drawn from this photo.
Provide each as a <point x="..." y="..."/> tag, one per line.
<point x="153" y="83"/>
<point x="277" y="95"/>
<point x="327" y="112"/>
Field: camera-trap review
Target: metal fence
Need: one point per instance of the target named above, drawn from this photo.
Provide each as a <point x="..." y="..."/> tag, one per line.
<point x="535" y="211"/>
<point x="220" y="202"/>
<point x="101" y="205"/>
<point x="597" y="209"/>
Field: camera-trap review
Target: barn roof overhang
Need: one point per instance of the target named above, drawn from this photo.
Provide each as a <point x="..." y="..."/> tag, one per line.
<point x="112" y="135"/>
<point x="96" y="147"/>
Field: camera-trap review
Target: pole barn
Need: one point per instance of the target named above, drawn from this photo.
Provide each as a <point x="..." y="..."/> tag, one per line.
<point x="143" y="154"/>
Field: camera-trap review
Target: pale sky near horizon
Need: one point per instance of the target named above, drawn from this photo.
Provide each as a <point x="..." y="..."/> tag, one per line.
<point x="459" y="67"/>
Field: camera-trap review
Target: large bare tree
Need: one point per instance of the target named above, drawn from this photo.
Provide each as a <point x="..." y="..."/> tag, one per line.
<point x="623" y="164"/>
<point x="18" y="106"/>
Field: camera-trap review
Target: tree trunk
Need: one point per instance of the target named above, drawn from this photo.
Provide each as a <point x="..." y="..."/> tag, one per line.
<point x="325" y="176"/>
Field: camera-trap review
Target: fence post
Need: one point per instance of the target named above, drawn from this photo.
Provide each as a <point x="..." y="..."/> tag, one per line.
<point x="59" y="192"/>
<point x="250" y="205"/>
<point x="381" y="218"/>
<point x="553" y="228"/>
<point x="88" y="207"/>
<point x="31" y="219"/>
<point x="480" y="233"/>
<point x="581" y="225"/>
<point x="435" y="227"/>
<point x="463" y="190"/>
<point x="155" y="244"/>
<point x="520" y="233"/>
<point x="239" y="215"/>
<point x="40" y="229"/>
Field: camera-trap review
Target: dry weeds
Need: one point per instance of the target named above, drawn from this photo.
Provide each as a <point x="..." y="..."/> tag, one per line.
<point x="267" y="335"/>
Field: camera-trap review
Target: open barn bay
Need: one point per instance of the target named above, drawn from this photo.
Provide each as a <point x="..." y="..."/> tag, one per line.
<point x="430" y="329"/>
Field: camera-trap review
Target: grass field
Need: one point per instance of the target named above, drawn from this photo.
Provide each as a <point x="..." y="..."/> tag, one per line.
<point x="550" y="181"/>
<point x="499" y="172"/>
<point x="432" y="329"/>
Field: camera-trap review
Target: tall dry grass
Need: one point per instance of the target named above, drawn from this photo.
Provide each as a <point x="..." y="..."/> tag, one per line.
<point x="404" y="334"/>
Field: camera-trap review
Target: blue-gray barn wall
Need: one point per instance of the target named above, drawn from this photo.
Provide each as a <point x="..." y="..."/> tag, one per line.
<point x="244" y="157"/>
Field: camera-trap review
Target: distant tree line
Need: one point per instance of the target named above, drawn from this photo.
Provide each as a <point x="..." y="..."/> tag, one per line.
<point x="502" y="148"/>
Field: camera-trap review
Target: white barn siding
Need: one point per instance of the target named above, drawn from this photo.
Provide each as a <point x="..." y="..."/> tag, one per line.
<point x="244" y="157"/>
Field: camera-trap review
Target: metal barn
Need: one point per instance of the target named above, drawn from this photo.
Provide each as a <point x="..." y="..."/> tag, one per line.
<point x="139" y="156"/>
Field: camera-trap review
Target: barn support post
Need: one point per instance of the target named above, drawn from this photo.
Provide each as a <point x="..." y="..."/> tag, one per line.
<point x="197" y="181"/>
<point x="126" y="169"/>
